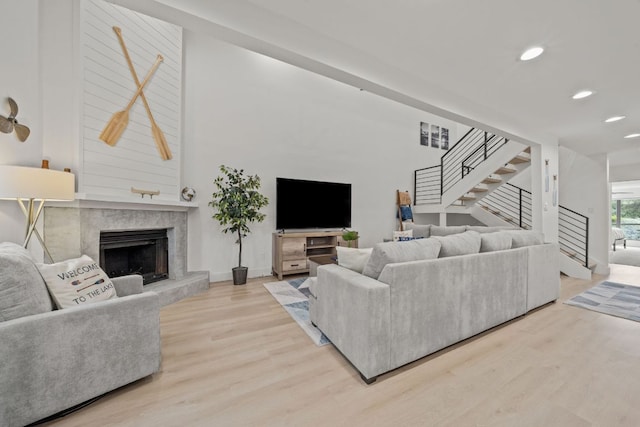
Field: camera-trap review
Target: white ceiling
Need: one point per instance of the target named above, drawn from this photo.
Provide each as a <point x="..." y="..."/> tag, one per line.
<point x="462" y="55"/>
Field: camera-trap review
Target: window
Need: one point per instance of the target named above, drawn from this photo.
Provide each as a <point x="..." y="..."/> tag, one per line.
<point x="625" y="214"/>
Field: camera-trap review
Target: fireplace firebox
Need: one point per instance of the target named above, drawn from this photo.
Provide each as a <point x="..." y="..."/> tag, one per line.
<point x="143" y="252"/>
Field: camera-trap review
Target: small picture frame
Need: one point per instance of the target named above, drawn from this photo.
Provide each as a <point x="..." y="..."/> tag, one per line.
<point x="444" y="138"/>
<point x="435" y="136"/>
<point x="424" y="134"/>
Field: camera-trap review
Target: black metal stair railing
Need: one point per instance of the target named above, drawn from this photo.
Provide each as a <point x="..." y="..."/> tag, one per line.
<point x="426" y="188"/>
<point x="511" y="204"/>
<point x="573" y="235"/>
<point x="474" y="141"/>
<point x="472" y="149"/>
<point x="482" y="153"/>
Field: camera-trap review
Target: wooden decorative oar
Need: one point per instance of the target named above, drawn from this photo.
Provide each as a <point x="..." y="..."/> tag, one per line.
<point x="158" y="136"/>
<point x="119" y="121"/>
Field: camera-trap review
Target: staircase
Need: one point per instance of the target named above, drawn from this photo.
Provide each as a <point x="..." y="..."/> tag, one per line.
<point x="475" y="166"/>
<point x="510" y="205"/>
<point x="473" y="178"/>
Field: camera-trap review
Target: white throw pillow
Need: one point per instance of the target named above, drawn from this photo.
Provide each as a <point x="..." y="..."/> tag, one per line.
<point x="353" y="258"/>
<point x="77" y="281"/>
<point x="398" y="235"/>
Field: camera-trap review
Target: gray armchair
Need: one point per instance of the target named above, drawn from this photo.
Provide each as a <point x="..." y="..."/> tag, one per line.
<point x="57" y="359"/>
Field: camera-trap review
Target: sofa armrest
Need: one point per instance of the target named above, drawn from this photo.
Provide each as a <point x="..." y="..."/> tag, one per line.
<point x="127" y="285"/>
<point x="543" y="281"/>
<point x="353" y="311"/>
<point x="55" y="360"/>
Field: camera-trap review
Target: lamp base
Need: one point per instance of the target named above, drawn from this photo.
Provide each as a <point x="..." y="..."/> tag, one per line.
<point x="32" y="210"/>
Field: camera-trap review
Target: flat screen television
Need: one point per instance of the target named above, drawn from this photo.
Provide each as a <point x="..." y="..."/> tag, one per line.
<point x="312" y="204"/>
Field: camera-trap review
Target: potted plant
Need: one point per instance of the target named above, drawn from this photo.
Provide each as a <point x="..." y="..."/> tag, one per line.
<point x="349" y="236"/>
<point x="237" y="202"/>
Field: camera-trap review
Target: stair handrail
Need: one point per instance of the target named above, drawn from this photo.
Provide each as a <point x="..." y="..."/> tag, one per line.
<point x="565" y="238"/>
<point x="487" y="149"/>
<point x="425" y="180"/>
<point x="512" y="199"/>
<point x="451" y="161"/>
<point x="573" y="227"/>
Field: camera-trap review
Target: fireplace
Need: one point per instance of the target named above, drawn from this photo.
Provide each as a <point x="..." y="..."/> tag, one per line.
<point x="143" y="252"/>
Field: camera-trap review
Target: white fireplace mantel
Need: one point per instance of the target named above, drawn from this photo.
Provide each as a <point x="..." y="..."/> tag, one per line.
<point x="101" y="201"/>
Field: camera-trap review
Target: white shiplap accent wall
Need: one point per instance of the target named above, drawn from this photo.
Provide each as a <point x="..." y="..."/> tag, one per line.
<point x="108" y="87"/>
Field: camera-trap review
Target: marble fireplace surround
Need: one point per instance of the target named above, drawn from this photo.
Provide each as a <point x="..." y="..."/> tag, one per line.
<point x="70" y="232"/>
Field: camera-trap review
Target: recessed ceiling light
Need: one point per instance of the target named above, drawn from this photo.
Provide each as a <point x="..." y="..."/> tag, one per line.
<point x="614" y="119"/>
<point x="632" y="135"/>
<point x="531" y="53"/>
<point x="582" y="94"/>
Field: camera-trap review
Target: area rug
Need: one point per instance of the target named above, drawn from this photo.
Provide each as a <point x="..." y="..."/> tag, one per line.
<point x="293" y="296"/>
<point x="611" y="298"/>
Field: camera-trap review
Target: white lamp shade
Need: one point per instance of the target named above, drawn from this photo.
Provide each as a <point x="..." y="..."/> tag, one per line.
<point x="19" y="182"/>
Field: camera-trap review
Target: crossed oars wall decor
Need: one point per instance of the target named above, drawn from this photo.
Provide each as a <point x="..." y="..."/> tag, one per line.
<point x="119" y="121"/>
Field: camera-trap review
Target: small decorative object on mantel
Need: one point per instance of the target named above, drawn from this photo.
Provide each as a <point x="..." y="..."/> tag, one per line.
<point x="143" y="193"/>
<point x="188" y="194"/>
<point x="158" y="135"/>
<point x="238" y="203"/>
<point x="10" y="124"/>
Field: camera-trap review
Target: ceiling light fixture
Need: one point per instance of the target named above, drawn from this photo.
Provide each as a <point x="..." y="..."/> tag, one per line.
<point x="615" y="119"/>
<point x="531" y="53"/>
<point x="582" y="94"/>
<point x="632" y="135"/>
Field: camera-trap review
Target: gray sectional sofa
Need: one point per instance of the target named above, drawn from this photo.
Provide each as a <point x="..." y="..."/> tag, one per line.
<point x="417" y="297"/>
<point x="51" y="360"/>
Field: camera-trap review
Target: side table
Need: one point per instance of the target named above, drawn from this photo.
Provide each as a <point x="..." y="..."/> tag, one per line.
<point x="316" y="261"/>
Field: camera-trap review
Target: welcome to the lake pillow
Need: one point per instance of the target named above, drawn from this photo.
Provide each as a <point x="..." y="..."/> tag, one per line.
<point x="77" y="281"/>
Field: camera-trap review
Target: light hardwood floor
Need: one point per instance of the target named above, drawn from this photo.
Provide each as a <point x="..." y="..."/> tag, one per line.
<point x="233" y="357"/>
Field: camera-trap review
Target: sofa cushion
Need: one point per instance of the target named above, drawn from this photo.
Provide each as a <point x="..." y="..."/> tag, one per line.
<point x="437" y="230"/>
<point x="487" y="229"/>
<point x="22" y="290"/>
<point x="419" y="230"/>
<point x="392" y="252"/>
<point x="459" y="244"/>
<point x="522" y="238"/>
<point x="77" y="281"/>
<point x="497" y="241"/>
<point x="353" y="258"/>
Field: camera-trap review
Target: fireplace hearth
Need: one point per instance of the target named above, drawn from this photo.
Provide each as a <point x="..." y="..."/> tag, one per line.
<point x="143" y="252"/>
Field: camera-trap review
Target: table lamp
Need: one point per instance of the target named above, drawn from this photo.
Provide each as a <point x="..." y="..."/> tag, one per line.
<point x="31" y="187"/>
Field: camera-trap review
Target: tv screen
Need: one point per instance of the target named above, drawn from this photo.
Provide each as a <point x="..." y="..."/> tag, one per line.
<point x="312" y="204"/>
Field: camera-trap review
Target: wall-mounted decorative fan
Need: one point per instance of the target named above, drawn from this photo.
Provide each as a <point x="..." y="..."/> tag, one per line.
<point x="9" y="124"/>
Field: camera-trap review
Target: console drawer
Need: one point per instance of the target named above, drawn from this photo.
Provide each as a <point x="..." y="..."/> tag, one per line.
<point x="295" y="264"/>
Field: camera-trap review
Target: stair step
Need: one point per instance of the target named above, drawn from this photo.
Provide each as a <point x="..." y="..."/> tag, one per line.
<point x="505" y="170"/>
<point x="491" y="180"/>
<point x="490" y="210"/>
<point x="467" y="197"/>
<point x="527" y="150"/>
<point x="479" y="190"/>
<point x="520" y="159"/>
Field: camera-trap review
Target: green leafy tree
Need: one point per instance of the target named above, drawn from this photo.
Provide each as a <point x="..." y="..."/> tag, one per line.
<point x="237" y="202"/>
